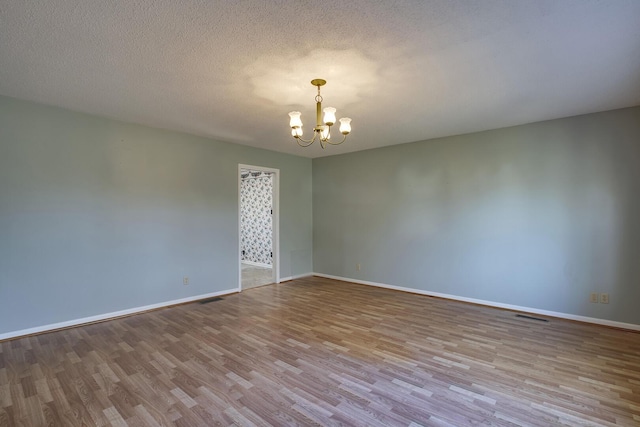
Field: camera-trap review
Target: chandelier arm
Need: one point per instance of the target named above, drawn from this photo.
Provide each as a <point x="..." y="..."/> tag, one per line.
<point x="307" y="142"/>
<point x="338" y="143"/>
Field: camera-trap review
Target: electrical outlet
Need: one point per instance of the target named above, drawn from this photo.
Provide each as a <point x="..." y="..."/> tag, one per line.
<point x="604" y="298"/>
<point x="185" y="280"/>
<point x="358" y="267"/>
<point x="594" y="297"/>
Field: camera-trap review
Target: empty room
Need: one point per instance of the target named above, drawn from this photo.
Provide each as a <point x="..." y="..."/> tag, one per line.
<point x="396" y="213"/>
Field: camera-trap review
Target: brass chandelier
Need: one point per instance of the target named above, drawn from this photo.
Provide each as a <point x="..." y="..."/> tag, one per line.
<point x="322" y="131"/>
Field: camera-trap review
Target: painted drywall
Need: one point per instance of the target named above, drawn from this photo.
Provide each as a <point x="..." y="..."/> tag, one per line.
<point x="538" y="215"/>
<point x="98" y="216"/>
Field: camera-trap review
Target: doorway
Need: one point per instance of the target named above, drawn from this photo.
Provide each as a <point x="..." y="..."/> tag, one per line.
<point x="258" y="226"/>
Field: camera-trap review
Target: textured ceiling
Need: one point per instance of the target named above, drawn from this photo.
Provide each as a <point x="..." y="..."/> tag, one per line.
<point x="404" y="71"/>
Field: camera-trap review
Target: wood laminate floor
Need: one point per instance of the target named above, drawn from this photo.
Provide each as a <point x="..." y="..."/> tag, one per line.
<point x="321" y="352"/>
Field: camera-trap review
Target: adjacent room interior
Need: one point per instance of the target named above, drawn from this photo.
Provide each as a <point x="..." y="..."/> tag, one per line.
<point x="454" y="241"/>
<point x="256" y="227"/>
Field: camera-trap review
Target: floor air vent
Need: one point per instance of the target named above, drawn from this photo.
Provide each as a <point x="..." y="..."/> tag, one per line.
<point x="524" y="316"/>
<point x="208" y="300"/>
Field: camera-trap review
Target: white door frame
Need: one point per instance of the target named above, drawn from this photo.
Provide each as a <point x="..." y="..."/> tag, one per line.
<point x="275" y="221"/>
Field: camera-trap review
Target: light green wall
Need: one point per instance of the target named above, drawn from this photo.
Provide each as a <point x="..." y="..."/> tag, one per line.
<point x="538" y="215"/>
<point x="98" y="216"/>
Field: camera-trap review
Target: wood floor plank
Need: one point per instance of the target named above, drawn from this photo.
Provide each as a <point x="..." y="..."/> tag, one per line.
<point x="316" y="351"/>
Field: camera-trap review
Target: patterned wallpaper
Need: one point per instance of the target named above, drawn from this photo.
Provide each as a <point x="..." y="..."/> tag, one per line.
<point x="255" y="217"/>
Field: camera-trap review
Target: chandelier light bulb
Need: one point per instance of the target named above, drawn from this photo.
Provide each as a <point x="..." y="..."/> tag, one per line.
<point x="329" y="116"/>
<point x="295" y="121"/>
<point x="345" y="125"/>
<point x="296" y="132"/>
<point x="324" y="132"/>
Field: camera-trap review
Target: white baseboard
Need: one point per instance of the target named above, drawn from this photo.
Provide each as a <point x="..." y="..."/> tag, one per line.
<point x="107" y="316"/>
<point x="557" y="314"/>
<point x="297" y="276"/>
<point x="257" y="264"/>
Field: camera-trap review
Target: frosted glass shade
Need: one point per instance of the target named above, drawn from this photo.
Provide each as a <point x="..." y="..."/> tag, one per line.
<point x="345" y="125"/>
<point x="295" y="121"/>
<point x="324" y="132"/>
<point x="296" y="132"/>
<point x="329" y="116"/>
